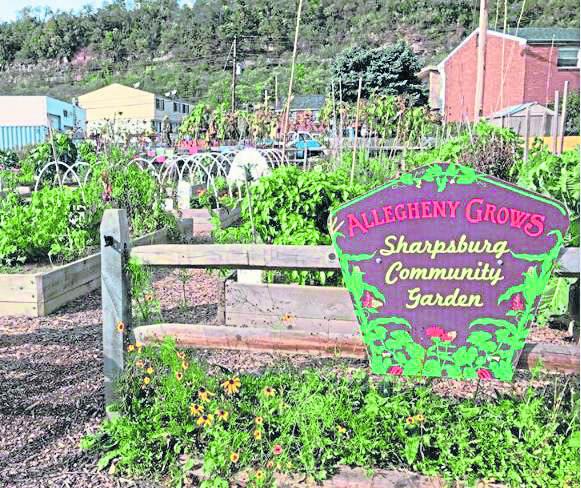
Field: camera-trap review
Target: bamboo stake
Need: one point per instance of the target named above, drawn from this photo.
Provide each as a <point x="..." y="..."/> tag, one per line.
<point x="292" y="75"/>
<point x="563" y="117"/>
<point x="356" y="130"/>
<point x="554" y="128"/>
<point x="335" y="135"/>
<point x="527" y="134"/>
<point x="340" y="122"/>
<point x="480" y="67"/>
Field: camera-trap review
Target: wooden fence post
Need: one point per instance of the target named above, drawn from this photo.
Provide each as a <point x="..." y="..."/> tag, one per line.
<point x="116" y="301"/>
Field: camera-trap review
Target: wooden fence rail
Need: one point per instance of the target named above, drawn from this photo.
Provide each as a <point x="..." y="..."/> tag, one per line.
<point x="312" y="336"/>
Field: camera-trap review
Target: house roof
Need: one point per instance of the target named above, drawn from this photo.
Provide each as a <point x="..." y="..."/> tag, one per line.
<point x="305" y="102"/>
<point x="543" y="35"/>
<point x="514" y="109"/>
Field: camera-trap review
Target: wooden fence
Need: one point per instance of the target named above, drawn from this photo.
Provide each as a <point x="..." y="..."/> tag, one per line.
<point x="258" y="316"/>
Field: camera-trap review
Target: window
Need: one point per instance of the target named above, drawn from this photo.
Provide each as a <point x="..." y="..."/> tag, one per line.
<point x="184" y="108"/>
<point x="159" y="104"/>
<point x="567" y="56"/>
<point x="176" y="107"/>
<point x="65" y="113"/>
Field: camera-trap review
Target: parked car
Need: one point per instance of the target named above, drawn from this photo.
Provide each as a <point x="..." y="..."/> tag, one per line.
<point x="302" y="140"/>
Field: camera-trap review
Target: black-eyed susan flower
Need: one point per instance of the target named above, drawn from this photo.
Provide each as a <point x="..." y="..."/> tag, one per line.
<point x="205" y="420"/>
<point x="258" y="420"/>
<point x="149" y="371"/>
<point x="181" y="355"/>
<point x="270" y="464"/>
<point x="231" y="385"/>
<point x="179" y="375"/>
<point x="130" y="348"/>
<point x="146" y="380"/>
<point x="139" y="346"/>
<point x="257" y="434"/>
<point x="222" y="414"/>
<point x="409" y="421"/>
<point x="234" y="457"/>
<point x="341" y="429"/>
<point x="148" y="297"/>
<point x="259" y="474"/>
<point x="185" y="365"/>
<point x="204" y="394"/>
<point x="268" y="391"/>
<point x="420" y="418"/>
<point x="120" y="326"/>
<point x="196" y="409"/>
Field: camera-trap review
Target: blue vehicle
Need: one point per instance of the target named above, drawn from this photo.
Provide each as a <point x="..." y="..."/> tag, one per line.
<point x="302" y="141"/>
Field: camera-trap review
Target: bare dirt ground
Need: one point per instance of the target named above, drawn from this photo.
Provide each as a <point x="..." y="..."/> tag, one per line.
<point x="51" y="384"/>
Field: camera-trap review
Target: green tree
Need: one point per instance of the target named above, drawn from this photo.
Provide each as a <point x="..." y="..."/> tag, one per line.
<point x="390" y="70"/>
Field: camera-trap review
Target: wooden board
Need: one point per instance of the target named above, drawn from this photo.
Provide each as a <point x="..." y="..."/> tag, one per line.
<point x="292" y="307"/>
<point x="554" y="357"/>
<point x="263" y="256"/>
<point x="239" y="256"/>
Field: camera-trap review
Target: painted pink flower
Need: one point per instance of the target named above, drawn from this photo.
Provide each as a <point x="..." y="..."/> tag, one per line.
<point x="395" y="370"/>
<point x="435" y="331"/>
<point x="517" y="303"/>
<point x="277" y="450"/>
<point x="367" y="300"/>
<point x="484" y="374"/>
<point x="448" y="336"/>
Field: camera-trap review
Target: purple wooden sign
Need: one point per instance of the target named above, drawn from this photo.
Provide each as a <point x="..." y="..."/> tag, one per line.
<point x="445" y="267"/>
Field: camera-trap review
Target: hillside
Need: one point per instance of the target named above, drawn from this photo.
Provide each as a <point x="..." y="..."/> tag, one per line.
<point x="161" y="46"/>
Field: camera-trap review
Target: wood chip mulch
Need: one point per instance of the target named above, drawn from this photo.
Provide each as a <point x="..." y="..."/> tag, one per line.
<point x="51" y="383"/>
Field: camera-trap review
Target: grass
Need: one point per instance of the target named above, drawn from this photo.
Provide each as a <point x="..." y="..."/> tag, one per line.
<point x="171" y="421"/>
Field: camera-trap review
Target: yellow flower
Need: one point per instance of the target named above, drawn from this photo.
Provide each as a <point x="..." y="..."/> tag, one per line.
<point x="270" y="464"/>
<point x="341" y="429"/>
<point x="204" y="394"/>
<point x="232" y="385"/>
<point x="234" y="457"/>
<point x="139" y="363"/>
<point x="149" y="370"/>
<point x="409" y="420"/>
<point x="138" y="345"/>
<point x="420" y="418"/>
<point x="146" y="380"/>
<point x="222" y="414"/>
<point x="181" y="355"/>
<point x="268" y="391"/>
<point x="258" y="420"/>
<point x="120" y="326"/>
<point x="185" y="365"/>
<point x="205" y="420"/>
<point x="148" y="297"/>
<point x="179" y="375"/>
<point x="257" y="434"/>
<point x="130" y="348"/>
<point x="196" y="409"/>
<point x="259" y="474"/>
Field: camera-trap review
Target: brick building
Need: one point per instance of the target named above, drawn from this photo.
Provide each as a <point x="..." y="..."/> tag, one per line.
<point x="521" y="66"/>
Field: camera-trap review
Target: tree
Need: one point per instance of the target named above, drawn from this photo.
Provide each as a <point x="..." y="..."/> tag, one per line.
<point x="390" y="70"/>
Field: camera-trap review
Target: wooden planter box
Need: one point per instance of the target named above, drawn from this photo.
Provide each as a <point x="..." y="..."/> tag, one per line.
<point x="203" y="220"/>
<point x="38" y="294"/>
<point x="314" y="309"/>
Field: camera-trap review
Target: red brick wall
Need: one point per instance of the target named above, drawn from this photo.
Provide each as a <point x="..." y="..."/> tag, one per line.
<point x="543" y="77"/>
<point x="460" y="81"/>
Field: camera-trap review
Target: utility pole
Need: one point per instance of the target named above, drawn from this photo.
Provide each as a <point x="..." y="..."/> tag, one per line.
<point x="233" y="101"/>
<point x="481" y="60"/>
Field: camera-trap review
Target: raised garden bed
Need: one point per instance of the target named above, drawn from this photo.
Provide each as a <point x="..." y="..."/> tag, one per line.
<point x="38" y="294"/>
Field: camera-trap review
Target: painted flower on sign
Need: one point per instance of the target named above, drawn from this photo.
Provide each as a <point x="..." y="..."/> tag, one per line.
<point x="517" y="303"/>
<point x="484" y="374"/>
<point x="395" y="370"/>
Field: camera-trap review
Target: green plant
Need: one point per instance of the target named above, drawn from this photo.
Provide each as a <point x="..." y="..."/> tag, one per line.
<point x="142" y="291"/>
<point x="175" y="419"/>
<point x="8" y="159"/>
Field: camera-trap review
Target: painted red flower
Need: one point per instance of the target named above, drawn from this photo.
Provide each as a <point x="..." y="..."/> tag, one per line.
<point x="517" y="303"/>
<point x="367" y="300"/>
<point x="395" y="370"/>
<point x="277" y="450"/>
<point x="484" y="374"/>
<point x="435" y="331"/>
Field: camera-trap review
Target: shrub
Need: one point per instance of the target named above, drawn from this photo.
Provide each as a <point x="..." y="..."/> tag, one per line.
<point x="309" y="422"/>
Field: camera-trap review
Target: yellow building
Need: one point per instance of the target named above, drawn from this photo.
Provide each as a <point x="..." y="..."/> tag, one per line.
<point x="127" y="110"/>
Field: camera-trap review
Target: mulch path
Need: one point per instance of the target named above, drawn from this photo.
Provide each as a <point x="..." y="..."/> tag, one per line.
<point x="51" y="383"/>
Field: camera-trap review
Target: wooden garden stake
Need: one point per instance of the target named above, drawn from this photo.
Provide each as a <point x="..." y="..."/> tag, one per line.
<point x="356" y="130"/>
<point x="563" y="117"/>
<point x="292" y="75"/>
<point x="554" y="128"/>
<point x="527" y="134"/>
<point x="115" y="296"/>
